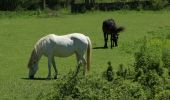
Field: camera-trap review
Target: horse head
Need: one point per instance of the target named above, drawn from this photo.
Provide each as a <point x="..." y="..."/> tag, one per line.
<point x="33" y="64"/>
<point x="110" y="28"/>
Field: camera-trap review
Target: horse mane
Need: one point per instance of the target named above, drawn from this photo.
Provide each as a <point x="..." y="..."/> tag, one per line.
<point x="32" y="58"/>
<point x="35" y="53"/>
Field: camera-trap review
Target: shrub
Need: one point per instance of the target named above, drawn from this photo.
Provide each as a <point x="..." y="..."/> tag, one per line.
<point x="149" y="62"/>
<point x="164" y="95"/>
<point x="109" y="74"/>
<point x="95" y="87"/>
<point x="153" y="81"/>
<point x="149" y="57"/>
<point x="83" y="88"/>
<point x="166" y="54"/>
<point x="129" y="91"/>
<point x="19" y="4"/>
<point x="9" y="4"/>
<point x="31" y="4"/>
<point x="158" y="4"/>
<point x="122" y="71"/>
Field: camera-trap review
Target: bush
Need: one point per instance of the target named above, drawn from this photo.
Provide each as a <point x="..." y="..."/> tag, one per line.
<point x="80" y="87"/>
<point x="19" y="4"/>
<point x="109" y="74"/>
<point x="164" y="95"/>
<point x="9" y="4"/>
<point x="95" y="88"/>
<point x="158" y="4"/>
<point x="149" y="57"/>
<point x="153" y="81"/>
<point x="122" y="71"/>
<point x="31" y="4"/>
<point x="129" y="91"/>
<point x="150" y="61"/>
<point x="166" y="54"/>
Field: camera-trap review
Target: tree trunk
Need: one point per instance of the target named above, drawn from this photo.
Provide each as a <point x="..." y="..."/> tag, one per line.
<point x="44" y="4"/>
<point x="67" y="3"/>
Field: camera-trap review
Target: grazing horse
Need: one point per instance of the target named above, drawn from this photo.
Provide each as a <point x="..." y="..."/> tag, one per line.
<point x="60" y="46"/>
<point x="109" y="28"/>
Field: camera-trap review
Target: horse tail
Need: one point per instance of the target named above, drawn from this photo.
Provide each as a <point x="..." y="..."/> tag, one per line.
<point x="120" y="29"/>
<point x="89" y="50"/>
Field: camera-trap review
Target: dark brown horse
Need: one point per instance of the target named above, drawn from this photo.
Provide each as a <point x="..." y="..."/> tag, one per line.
<point x="110" y="28"/>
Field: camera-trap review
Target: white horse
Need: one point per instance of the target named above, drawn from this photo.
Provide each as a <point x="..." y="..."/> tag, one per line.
<point x="60" y="46"/>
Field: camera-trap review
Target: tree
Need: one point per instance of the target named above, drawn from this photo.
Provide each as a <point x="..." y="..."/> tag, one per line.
<point x="44" y="4"/>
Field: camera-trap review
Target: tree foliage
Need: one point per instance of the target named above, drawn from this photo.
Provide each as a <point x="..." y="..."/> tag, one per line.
<point x="82" y="5"/>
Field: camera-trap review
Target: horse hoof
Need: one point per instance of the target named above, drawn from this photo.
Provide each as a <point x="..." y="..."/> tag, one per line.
<point x="31" y="77"/>
<point x="55" y="77"/>
<point x="48" y="78"/>
<point x="105" y="47"/>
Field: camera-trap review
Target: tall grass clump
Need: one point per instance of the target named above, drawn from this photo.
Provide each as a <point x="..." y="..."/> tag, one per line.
<point x="109" y="74"/>
<point x="151" y="61"/>
<point x="149" y="56"/>
<point x="96" y="87"/>
<point x="80" y="87"/>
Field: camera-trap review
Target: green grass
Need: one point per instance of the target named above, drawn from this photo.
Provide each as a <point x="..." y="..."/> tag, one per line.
<point x="19" y="34"/>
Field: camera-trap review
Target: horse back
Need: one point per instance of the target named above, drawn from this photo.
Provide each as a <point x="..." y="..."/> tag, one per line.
<point x="64" y="45"/>
<point x="78" y="37"/>
<point x="80" y="41"/>
<point x="109" y="26"/>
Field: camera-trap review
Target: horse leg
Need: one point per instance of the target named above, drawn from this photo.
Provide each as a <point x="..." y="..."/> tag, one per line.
<point x="78" y="64"/>
<point x="112" y="40"/>
<point x="81" y="60"/>
<point x="49" y="67"/>
<point x="84" y="62"/>
<point x="55" y="68"/>
<point x="105" y="40"/>
<point x="115" y="40"/>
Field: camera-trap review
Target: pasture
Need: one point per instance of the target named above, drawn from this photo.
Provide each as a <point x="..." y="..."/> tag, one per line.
<point x="19" y="34"/>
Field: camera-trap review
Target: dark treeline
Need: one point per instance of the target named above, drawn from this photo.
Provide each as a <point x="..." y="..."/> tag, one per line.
<point x="12" y="5"/>
<point x="82" y="5"/>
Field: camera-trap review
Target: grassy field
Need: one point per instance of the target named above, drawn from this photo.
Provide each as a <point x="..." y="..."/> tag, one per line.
<point x="18" y="35"/>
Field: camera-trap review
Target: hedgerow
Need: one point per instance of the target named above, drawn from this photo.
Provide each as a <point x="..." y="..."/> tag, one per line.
<point x="82" y="5"/>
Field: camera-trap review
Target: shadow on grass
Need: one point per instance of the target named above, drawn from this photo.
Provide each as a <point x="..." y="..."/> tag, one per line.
<point x="37" y="79"/>
<point x="100" y="48"/>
